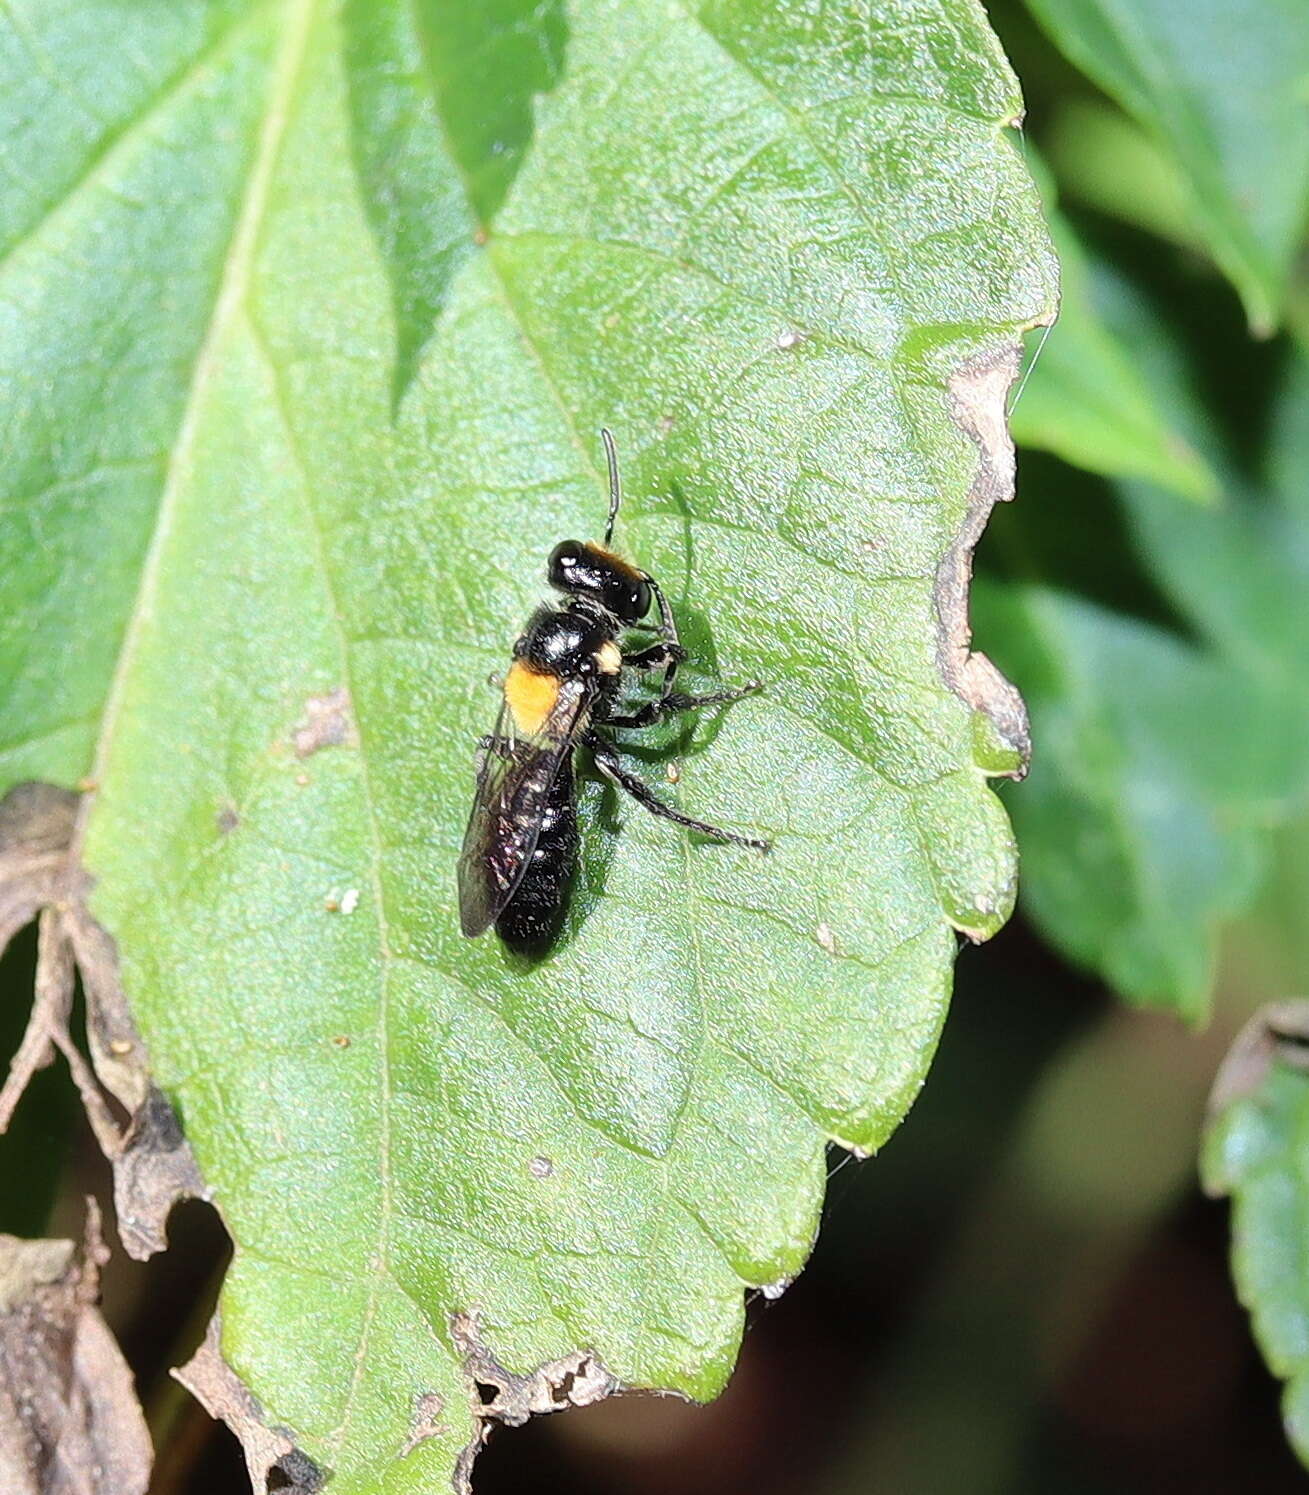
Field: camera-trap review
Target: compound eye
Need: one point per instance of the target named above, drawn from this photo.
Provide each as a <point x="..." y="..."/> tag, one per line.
<point x="628" y="598"/>
<point x="562" y="569"/>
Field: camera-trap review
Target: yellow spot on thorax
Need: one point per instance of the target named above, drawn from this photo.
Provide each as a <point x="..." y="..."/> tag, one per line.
<point x="530" y="697"/>
<point x="609" y="658"/>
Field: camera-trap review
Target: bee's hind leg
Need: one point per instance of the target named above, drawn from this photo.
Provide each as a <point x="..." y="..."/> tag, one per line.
<point x="606" y="759"/>
<point x="673" y="703"/>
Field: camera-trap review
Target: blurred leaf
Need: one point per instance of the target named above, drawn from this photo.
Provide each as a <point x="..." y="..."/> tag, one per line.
<point x="1221" y="86"/>
<point x="1161" y="764"/>
<point x="1272" y="945"/>
<point x="1082" y="396"/>
<point x="1240" y="572"/>
<point x="1255" y="1150"/>
<point x="1137" y="822"/>
<point x="285" y="445"/>
<point x="1106" y="161"/>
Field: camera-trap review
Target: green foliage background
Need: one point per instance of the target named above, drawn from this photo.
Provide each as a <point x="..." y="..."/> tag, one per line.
<point x="309" y="314"/>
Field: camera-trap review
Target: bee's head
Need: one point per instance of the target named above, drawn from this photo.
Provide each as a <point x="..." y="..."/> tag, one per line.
<point x="584" y="569"/>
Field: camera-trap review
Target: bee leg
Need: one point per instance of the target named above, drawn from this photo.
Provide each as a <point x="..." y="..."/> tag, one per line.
<point x="668" y="629"/>
<point x="479" y="756"/>
<point x="656" y="656"/>
<point x="672" y="704"/>
<point x="605" y="756"/>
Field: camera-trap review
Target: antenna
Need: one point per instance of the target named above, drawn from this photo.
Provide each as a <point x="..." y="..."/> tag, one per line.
<point x="615" y="487"/>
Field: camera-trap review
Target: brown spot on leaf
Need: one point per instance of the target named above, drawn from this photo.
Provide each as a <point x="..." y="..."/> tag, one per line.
<point x="269" y="1450"/>
<point x="426" y="1420"/>
<point x="977" y="404"/>
<point x="227" y="819"/>
<point x="501" y="1395"/>
<point x="1277" y="1033"/>
<point x="327" y="722"/>
<point x="69" y="1419"/>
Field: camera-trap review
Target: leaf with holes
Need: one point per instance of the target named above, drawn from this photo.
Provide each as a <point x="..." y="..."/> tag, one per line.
<point x="311" y="316"/>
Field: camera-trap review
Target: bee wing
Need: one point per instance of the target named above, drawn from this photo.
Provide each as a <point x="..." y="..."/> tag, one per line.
<point x="512" y="785"/>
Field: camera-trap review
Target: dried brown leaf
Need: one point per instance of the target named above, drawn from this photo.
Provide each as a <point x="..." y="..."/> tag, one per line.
<point x="70" y="1423"/>
<point x="40" y="878"/>
<point x="977" y="400"/>
<point x="222" y="1393"/>
<point x="66" y="1397"/>
<point x="1278" y="1031"/>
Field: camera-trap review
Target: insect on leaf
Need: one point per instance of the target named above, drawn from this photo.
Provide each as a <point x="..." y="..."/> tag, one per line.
<point x="307" y="368"/>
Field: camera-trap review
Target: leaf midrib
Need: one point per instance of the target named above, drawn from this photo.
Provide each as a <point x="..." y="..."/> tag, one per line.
<point x="233" y="286"/>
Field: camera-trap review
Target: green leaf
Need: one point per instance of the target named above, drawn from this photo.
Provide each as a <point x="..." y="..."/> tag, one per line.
<point x="441" y="112"/>
<point x="1240" y="572"/>
<point x="1106" y="161"/>
<point x="1255" y="1151"/>
<point x="1161" y="762"/>
<point x="309" y="353"/>
<point x="1271" y="945"/>
<point x="1237" y="573"/>
<point x="1082" y="395"/>
<point x="1138" y="822"/>
<point x="1221" y="87"/>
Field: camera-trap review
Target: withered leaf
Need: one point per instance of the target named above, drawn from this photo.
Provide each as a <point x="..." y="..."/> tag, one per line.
<point x="70" y="1423"/>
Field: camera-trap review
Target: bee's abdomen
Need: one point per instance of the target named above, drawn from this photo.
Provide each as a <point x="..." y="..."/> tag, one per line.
<point x="533" y="917"/>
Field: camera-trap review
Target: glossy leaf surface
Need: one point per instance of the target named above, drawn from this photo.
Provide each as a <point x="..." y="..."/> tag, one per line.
<point x="309" y="346"/>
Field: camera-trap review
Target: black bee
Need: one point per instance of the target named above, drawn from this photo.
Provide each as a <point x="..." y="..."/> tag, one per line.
<point x="520" y="849"/>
